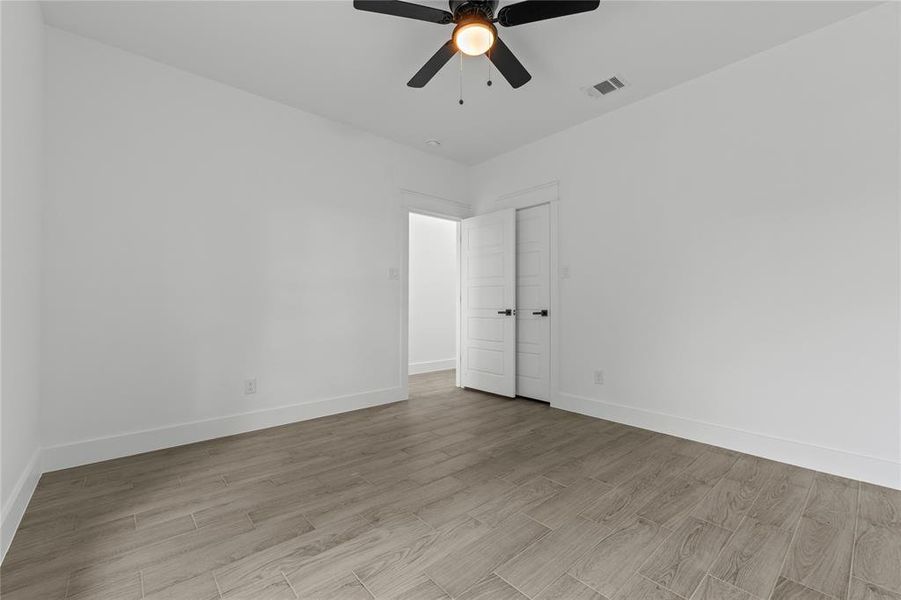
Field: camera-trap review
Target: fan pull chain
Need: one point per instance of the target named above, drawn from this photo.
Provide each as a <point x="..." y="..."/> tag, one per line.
<point x="489" y="67"/>
<point x="461" y="78"/>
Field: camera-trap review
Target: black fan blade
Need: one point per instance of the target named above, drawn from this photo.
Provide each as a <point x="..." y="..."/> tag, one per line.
<point x="407" y="10"/>
<point x="434" y="64"/>
<point x="539" y="10"/>
<point x="508" y="64"/>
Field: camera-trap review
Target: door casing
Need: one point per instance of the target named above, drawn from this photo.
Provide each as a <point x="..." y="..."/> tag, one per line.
<point x="428" y="204"/>
<point x="412" y="201"/>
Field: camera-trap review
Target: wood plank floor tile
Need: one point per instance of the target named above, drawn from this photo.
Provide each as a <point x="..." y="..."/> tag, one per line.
<point x="612" y="459"/>
<point x="525" y="471"/>
<point x="378" y="472"/>
<point x="568" y="502"/>
<point x="345" y="587"/>
<point x="624" y="449"/>
<point x="463" y="568"/>
<point x="51" y="547"/>
<point x="393" y="534"/>
<point x="521" y="498"/>
<point x="639" y="588"/>
<point x="439" y="442"/>
<point x="880" y="505"/>
<point x="877" y="555"/>
<point x="201" y="587"/>
<point x="791" y="590"/>
<point x="546" y="560"/>
<point x="419" y="588"/>
<point x="492" y="588"/>
<point x="176" y="569"/>
<point x="623" y="454"/>
<point x="567" y="587"/>
<point x="274" y="588"/>
<point x="753" y="557"/>
<point x="618" y="506"/>
<point x="387" y="574"/>
<point x="120" y="588"/>
<point x="447" y="467"/>
<point x="445" y="510"/>
<point x="682" y="561"/>
<point x="611" y="563"/>
<point x="174" y="550"/>
<point x="779" y="504"/>
<point x="714" y="589"/>
<point x="710" y="466"/>
<point x="863" y="590"/>
<point x="732" y="497"/>
<point x="43" y="585"/>
<point x="832" y="494"/>
<point x="675" y="499"/>
<point x="820" y="554"/>
<point x="727" y="503"/>
<point x="291" y="553"/>
<point x="412" y="500"/>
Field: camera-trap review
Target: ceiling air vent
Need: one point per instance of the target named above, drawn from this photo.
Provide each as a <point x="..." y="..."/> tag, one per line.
<point x="606" y="87"/>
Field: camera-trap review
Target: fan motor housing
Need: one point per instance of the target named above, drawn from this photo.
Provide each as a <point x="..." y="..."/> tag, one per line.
<point x="464" y="9"/>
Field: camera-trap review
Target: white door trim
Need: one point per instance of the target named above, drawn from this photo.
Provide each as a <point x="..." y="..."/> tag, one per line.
<point x="422" y="203"/>
<point x="436" y="206"/>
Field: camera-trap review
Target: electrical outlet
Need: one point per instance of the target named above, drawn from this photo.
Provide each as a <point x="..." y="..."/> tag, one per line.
<point x="250" y="386"/>
<point x="599" y="377"/>
<point x="564" y="272"/>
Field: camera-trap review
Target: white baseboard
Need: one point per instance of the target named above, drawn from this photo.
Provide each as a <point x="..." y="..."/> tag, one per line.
<point x="127" y="444"/>
<point x="433" y="365"/>
<point x="17" y="502"/>
<point x="873" y="469"/>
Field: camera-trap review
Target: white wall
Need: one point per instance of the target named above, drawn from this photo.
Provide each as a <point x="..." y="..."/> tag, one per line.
<point x="22" y="131"/>
<point x="197" y="235"/>
<point x="733" y="245"/>
<point x="433" y="293"/>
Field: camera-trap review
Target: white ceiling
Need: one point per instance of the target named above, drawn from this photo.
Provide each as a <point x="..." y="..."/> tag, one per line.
<point x="351" y="66"/>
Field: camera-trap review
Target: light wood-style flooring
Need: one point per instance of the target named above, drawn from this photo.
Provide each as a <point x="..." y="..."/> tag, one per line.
<point x="454" y="494"/>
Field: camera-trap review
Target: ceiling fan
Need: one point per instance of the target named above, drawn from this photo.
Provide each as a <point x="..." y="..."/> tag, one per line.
<point x="475" y="32"/>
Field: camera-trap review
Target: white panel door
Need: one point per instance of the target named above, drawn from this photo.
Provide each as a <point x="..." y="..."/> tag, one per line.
<point x="488" y="303"/>
<point x="533" y="298"/>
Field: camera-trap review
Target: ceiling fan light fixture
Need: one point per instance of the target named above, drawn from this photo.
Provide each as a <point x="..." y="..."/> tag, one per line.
<point x="474" y="38"/>
<point x="475" y="33"/>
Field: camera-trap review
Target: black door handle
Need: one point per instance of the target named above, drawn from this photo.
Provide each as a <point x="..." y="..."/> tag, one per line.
<point x="508" y="312"/>
<point x="540" y="313"/>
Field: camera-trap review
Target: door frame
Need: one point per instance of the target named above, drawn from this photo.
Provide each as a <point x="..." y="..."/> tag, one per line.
<point x="444" y="208"/>
<point x="433" y="206"/>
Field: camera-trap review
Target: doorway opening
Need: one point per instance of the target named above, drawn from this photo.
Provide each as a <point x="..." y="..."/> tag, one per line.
<point x="478" y="301"/>
<point x="433" y="298"/>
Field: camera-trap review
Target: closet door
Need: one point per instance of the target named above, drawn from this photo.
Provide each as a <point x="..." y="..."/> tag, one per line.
<point x="533" y="298"/>
<point x="488" y="303"/>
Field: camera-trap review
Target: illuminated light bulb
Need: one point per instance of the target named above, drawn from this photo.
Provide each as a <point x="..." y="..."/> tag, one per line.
<point x="474" y="38"/>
